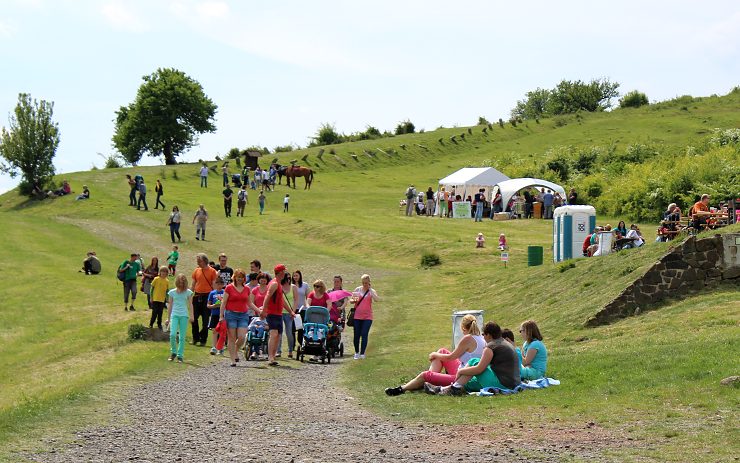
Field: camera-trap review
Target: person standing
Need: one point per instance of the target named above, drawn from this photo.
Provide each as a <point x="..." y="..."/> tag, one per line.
<point x="302" y="290"/>
<point x="365" y="295"/>
<point x="142" y="196"/>
<point x="228" y="196"/>
<point x="174" y="223"/>
<point x="201" y="217"/>
<point x="224" y="271"/>
<point x="430" y="202"/>
<point x="160" y="288"/>
<point x="204" y="177"/>
<point x="273" y="313"/>
<point x="410" y="200"/>
<point x="480" y="202"/>
<point x="180" y="309"/>
<point x="148" y="275"/>
<point x="528" y="204"/>
<point x="286" y="202"/>
<point x="91" y="264"/>
<point x="290" y="293"/>
<point x="261" y="200"/>
<point x="241" y="200"/>
<point x="225" y="174"/>
<point x="132" y="192"/>
<point x="130" y="269"/>
<point x="160" y="192"/>
<point x="203" y="278"/>
<point x="547" y="202"/>
<point x="443" y="197"/>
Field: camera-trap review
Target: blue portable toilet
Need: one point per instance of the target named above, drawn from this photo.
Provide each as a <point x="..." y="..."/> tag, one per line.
<point x="570" y="227"/>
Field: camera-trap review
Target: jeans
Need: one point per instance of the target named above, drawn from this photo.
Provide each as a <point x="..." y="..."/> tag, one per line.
<point x="129" y="286"/>
<point x="479" y="212"/>
<point x="240" y="208"/>
<point x="175" y="230"/>
<point x="410" y="207"/>
<point x="132" y="197"/>
<point x="202" y="312"/>
<point x="362" y="330"/>
<point x="227" y="207"/>
<point x="157" y="309"/>
<point x="200" y="229"/>
<point x="262" y="207"/>
<point x="159" y="201"/>
<point x="204" y="181"/>
<point x="142" y="199"/>
<point x="548" y="212"/>
<point x="289" y="335"/>
<point x="226" y="179"/>
<point x="178" y="325"/>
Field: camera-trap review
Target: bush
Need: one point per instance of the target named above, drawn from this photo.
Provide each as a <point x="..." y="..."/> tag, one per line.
<point x="405" y="127"/>
<point x="483" y="121"/>
<point x="136" y="332"/>
<point x="430" y="259"/>
<point x="565" y="266"/>
<point x="633" y="99"/>
<point x="112" y="161"/>
<point x="283" y="149"/>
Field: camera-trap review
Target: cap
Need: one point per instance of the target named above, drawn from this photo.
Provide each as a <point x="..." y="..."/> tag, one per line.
<point x="279" y="268"/>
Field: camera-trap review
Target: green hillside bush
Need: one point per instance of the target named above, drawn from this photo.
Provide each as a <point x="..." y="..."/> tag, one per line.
<point x="633" y="99"/>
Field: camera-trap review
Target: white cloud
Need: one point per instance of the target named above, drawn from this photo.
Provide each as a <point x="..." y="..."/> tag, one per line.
<point x="721" y="37"/>
<point x="122" y="17"/>
<point x="7" y="30"/>
<point x="212" y="9"/>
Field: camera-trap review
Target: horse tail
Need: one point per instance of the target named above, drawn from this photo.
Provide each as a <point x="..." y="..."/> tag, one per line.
<point x="310" y="177"/>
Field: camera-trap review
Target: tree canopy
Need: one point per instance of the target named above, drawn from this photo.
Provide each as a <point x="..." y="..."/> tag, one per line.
<point x="567" y="97"/>
<point x="29" y="144"/>
<point x="169" y="112"/>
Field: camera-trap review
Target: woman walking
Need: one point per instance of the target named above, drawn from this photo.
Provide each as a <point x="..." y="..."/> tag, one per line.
<point x="290" y="293"/>
<point x="132" y="193"/>
<point x="302" y="290"/>
<point x="160" y="191"/>
<point x="364" y="295"/>
<point x="234" y="307"/>
<point x="150" y="273"/>
<point x="174" y="223"/>
<point x="180" y="307"/>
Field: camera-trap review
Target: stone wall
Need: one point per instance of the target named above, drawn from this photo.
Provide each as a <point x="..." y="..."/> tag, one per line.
<point x="692" y="266"/>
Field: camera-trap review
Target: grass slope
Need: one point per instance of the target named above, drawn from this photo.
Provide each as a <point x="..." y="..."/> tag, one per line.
<point x="653" y="377"/>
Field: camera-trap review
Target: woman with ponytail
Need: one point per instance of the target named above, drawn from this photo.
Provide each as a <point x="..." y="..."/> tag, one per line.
<point x="470" y="346"/>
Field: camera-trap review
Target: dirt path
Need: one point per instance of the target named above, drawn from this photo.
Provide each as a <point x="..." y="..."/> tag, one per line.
<point x="294" y="414"/>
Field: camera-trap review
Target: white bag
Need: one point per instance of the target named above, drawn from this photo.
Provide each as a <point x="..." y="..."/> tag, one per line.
<point x="298" y="322"/>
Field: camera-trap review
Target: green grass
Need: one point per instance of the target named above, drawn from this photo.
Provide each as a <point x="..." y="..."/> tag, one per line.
<point x="654" y="377"/>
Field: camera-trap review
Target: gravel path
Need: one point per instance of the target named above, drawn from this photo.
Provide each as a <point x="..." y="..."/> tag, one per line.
<point x="216" y="413"/>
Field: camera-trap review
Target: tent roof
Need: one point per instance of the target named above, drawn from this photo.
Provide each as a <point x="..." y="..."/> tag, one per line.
<point x="511" y="186"/>
<point x="483" y="176"/>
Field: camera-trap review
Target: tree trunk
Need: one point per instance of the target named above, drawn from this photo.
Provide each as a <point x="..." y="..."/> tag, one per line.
<point x="169" y="158"/>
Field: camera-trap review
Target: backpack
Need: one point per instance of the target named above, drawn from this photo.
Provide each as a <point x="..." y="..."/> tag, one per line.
<point x="121" y="274"/>
<point x="410" y="193"/>
<point x="242" y="196"/>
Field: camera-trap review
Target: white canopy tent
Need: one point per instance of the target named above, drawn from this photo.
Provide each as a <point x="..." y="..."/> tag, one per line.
<point x="511" y="186"/>
<point x="468" y="180"/>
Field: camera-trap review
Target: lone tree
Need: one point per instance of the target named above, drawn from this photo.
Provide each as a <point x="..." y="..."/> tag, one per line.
<point x="30" y="143"/>
<point x="169" y="113"/>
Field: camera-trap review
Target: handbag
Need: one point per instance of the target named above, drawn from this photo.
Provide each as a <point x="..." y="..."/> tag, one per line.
<point x="351" y="318"/>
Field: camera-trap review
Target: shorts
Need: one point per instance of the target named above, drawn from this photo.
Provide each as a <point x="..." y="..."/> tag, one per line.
<point x="213" y="321"/>
<point x="236" y="319"/>
<point x="275" y="322"/>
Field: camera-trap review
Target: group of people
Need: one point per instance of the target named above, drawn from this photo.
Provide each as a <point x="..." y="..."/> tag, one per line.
<point x="482" y="359"/>
<point x="244" y="301"/>
<point x="137" y="186"/>
<point x="264" y="179"/>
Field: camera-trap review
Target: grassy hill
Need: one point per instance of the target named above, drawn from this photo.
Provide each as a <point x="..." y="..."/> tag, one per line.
<point x="652" y="378"/>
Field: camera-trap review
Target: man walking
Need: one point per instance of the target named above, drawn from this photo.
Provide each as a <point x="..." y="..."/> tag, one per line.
<point x="201" y="217"/>
<point x="204" y="177"/>
<point x="241" y="200"/>
<point x="130" y="269"/>
<point x="142" y="196"/>
<point x="204" y="277"/>
<point x="228" y="195"/>
<point x="273" y="313"/>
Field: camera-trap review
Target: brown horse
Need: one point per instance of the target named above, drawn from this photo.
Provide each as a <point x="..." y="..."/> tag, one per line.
<point x="297" y="171"/>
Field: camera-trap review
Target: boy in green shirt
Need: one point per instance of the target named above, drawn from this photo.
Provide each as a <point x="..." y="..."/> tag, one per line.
<point x="131" y="269"/>
<point x="172" y="260"/>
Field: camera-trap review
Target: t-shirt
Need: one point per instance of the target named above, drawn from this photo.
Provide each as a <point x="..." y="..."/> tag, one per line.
<point x="274" y="304"/>
<point x="238" y="301"/>
<point x="142" y="189"/>
<point x="227" y="194"/>
<point x="430" y="195"/>
<point x="203" y="279"/>
<point x="173" y="257"/>
<point x="700" y="207"/>
<point x="505" y="363"/>
<point x="286" y="200"/>
<point x="132" y="271"/>
<point x="364" y="308"/>
<point x="224" y="273"/>
<point x="180" y="301"/>
<point x="242" y="195"/>
<point x="302" y="289"/>
<point x="159" y="289"/>
<point x="214" y="298"/>
<point x="204" y="171"/>
<point x="547" y="199"/>
<point x="637" y="240"/>
<point x="175" y="217"/>
<point x="259" y="298"/>
<point x="540" y="359"/>
<point x="318" y="301"/>
<point x="201" y="215"/>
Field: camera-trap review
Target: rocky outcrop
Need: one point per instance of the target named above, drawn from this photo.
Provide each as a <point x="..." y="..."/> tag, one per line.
<point x="695" y="265"/>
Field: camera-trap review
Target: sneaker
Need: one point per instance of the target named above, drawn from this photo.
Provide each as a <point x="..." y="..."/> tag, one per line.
<point x="179" y="360"/>
<point x="357" y="357"/>
<point x="221" y="352"/>
<point x="132" y="309"/>
<point x="214" y="351"/>
<point x="451" y="390"/>
<point x="171" y="357"/>
<point x="431" y="388"/>
<point x="279" y="354"/>
<point x="394" y="391"/>
<point x="125" y="308"/>
<point x="362" y="356"/>
<point x="202" y="344"/>
<point x="199" y="240"/>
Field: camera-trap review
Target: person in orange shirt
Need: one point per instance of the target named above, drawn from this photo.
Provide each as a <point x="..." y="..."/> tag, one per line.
<point x="203" y="278"/>
<point x="700" y="212"/>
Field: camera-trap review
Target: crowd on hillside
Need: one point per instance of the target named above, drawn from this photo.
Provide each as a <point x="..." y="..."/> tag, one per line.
<point x="244" y="301"/>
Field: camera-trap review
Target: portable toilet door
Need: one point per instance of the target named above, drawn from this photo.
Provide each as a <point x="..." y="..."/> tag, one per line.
<point x="457" y="317"/>
<point x="571" y="226"/>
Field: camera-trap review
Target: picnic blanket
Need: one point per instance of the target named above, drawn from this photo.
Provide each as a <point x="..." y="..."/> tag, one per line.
<point x="534" y="384"/>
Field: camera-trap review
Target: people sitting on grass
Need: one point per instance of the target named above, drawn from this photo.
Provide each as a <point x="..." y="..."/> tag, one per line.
<point x="85" y="193"/>
<point x="534" y="352"/>
<point x="471" y="346"/>
<point x="65" y="189"/>
<point x="497" y="367"/>
<point x="91" y="264"/>
<point x="507" y="334"/>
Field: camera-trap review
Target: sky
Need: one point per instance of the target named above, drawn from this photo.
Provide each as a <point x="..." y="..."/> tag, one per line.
<point x="278" y="70"/>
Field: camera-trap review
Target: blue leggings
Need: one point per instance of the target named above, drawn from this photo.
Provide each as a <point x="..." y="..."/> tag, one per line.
<point x="362" y="330"/>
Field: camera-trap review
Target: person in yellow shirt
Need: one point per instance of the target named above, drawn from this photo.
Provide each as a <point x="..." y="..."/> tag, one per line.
<point x="159" y="287"/>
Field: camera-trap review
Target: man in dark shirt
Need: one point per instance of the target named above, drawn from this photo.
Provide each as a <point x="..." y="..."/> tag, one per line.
<point x="228" y="195"/>
<point x="224" y="271"/>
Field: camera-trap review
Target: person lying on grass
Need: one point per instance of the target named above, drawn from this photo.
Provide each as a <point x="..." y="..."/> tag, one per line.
<point x="497" y="367"/>
<point x="470" y="346"/>
<point x="534" y="362"/>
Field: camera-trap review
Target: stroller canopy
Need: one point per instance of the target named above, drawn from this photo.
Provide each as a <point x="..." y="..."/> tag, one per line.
<point x="316" y="314"/>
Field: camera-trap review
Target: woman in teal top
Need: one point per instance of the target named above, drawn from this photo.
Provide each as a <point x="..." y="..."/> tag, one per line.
<point x="534" y="361"/>
<point x="180" y="305"/>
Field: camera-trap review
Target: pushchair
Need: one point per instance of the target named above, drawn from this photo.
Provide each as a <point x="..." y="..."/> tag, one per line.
<point x="315" y="330"/>
<point x="256" y="343"/>
<point x="334" y="342"/>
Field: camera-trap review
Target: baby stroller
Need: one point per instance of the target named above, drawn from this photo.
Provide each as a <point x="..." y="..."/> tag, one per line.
<point x="256" y="343"/>
<point x="315" y="330"/>
<point x="334" y="343"/>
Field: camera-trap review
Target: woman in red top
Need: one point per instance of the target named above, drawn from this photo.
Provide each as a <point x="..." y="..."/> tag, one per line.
<point x="234" y="306"/>
<point x="318" y="296"/>
<point x="259" y="292"/>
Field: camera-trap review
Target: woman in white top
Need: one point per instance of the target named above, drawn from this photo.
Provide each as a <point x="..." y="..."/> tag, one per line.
<point x="302" y="290"/>
<point x="470" y="346"/>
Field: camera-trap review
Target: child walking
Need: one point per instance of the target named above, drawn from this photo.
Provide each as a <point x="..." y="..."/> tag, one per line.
<point x="172" y="260"/>
<point x="261" y="199"/>
<point x="160" y="286"/>
<point x="286" y="200"/>
<point x="214" y="304"/>
<point x="180" y="305"/>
